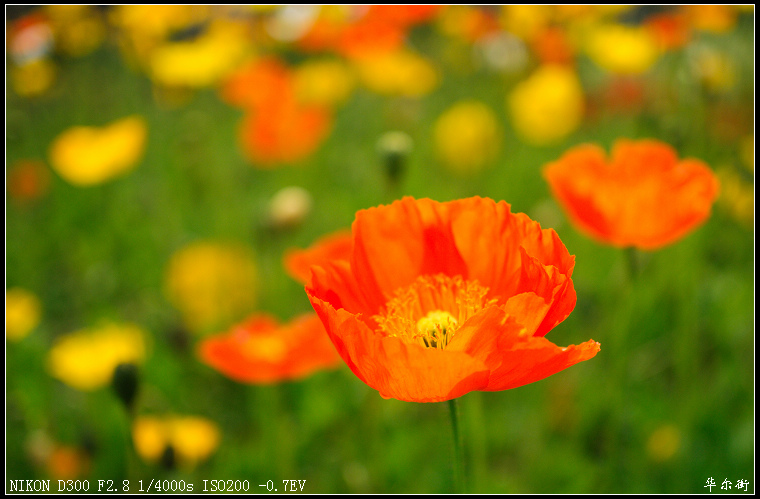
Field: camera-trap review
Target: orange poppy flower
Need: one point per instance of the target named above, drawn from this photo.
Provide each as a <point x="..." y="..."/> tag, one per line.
<point x="261" y="351"/>
<point x="439" y="299"/>
<point x="403" y="16"/>
<point x="670" y="29"/>
<point x="258" y="83"/>
<point x="365" y="31"/>
<point x="277" y="128"/>
<point x="283" y="133"/>
<point x="644" y="197"/>
<point x="334" y="246"/>
<point x="553" y="46"/>
<point x="363" y="37"/>
<point x="28" y="180"/>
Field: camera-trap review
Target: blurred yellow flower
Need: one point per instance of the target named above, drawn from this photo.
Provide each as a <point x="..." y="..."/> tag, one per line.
<point x="747" y="151"/>
<point x="157" y="20"/>
<point x="713" y="68"/>
<point x="144" y="27"/>
<point x="526" y="21"/>
<point x="87" y="358"/>
<point x="22" y="313"/>
<point x="467" y="136"/>
<point x="622" y="49"/>
<point x="323" y="82"/>
<point x="663" y="443"/>
<point x="737" y="195"/>
<point x="87" y="155"/>
<point x="201" y="62"/>
<point x="212" y="284"/>
<point x="713" y="18"/>
<point x="399" y="72"/>
<point x="548" y="105"/>
<point x="467" y="22"/>
<point x="78" y="29"/>
<point x="33" y="78"/>
<point x="191" y="438"/>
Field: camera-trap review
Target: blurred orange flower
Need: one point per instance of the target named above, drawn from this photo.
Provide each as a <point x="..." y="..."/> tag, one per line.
<point x="277" y="128"/>
<point x="361" y="31"/>
<point x="67" y="463"/>
<point x="403" y="16"/>
<point x="713" y="18"/>
<point x="283" y="132"/>
<point x="256" y="83"/>
<point x="670" y="29"/>
<point x="439" y="299"/>
<point x="261" y="351"/>
<point x="553" y="46"/>
<point x="643" y="197"/>
<point x="334" y="246"/>
<point x="28" y="180"/>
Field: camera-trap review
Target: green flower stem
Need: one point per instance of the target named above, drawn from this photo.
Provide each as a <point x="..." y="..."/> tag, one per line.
<point x="458" y="456"/>
<point x="273" y="418"/>
<point x="475" y="434"/>
<point x="633" y="260"/>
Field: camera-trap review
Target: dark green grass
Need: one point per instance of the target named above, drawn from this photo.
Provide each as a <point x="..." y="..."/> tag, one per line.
<point x="677" y="339"/>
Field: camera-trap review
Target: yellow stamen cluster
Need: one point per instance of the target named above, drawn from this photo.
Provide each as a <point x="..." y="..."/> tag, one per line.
<point x="431" y="309"/>
<point x="436" y="328"/>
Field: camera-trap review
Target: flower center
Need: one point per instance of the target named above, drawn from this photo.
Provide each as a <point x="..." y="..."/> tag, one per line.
<point x="431" y="309"/>
<point x="266" y="348"/>
<point x="436" y="328"/>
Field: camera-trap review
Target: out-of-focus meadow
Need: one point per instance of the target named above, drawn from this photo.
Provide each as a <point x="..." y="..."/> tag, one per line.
<point x="161" y="160"/>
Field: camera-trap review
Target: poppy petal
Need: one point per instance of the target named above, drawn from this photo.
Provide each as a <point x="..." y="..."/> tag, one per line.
<point x="260" y="350"/>
<point x="523" y="358"/>
<point x="488" y="236"/>
<point x="335" y="246"/>
<point x="415" y="232"/>
<point x="334" y="282"/>
<point x="514" y="356"/>
<point x="545" y="296"/>
<point x="398" y="369"/>
<point x="643" y="197"/>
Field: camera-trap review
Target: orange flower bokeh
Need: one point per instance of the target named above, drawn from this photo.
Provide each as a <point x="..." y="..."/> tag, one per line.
<point x="257" y="83"/>
<point x="28" y="180"/>
<point x="334" y="246"/>
<point x="440" y="299"/>
<point x="276" y="128"/>
<point x="365" y="31"/>
<point x="643" y="197"/>
<point x="261" y="351"/>
<point x="284" y="132"/>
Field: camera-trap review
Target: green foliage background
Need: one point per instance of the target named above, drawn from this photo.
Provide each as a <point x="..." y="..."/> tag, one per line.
<point x="677" y="338"/>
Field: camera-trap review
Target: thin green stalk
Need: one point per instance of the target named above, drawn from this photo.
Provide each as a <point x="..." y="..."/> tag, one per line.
<point x="634" y="263"/>
<point x="475" y="434"/>
<point x="277" y="440"/>
<point x="458" y="456"/>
